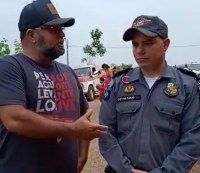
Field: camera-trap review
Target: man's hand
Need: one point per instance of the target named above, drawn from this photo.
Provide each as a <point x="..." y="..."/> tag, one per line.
<point x="84" y="129"/>
<point x="138" y="171"/>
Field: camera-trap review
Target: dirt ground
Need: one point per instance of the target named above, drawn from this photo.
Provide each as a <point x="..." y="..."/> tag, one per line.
<point x="96" y="163"/>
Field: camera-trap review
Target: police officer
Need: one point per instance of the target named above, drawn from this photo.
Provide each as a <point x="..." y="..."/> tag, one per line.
<point x="152" y="111"/>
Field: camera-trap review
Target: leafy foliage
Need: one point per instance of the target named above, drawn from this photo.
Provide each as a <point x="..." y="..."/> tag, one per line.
<point x="121" y="67"/>
<point x="95" y="48"/>
<point x="4" y="47"/>
<point x="18" y="47"/>
<point x="125" y="66"/>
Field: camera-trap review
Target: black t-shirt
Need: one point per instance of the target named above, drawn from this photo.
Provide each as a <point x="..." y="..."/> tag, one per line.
<point x="53" y="92"/>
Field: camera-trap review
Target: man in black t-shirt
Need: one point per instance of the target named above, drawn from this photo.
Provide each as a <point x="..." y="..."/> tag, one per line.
<point x="45" y="121"/>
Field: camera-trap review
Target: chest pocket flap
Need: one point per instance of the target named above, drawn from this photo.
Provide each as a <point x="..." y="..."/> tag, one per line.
<point x="128" y="106"/>
<point x="170" y="109"/>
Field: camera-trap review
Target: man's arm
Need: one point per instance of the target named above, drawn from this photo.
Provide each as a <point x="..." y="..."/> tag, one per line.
<point x="84" y="144"/>
<point x="19" y="120"/>
<point x="83" y="156"/>
<point x="108" y="143"/>
<point x="187" y="150"/>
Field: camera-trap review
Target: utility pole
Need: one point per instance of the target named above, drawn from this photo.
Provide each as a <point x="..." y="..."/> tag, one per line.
<point x="67" y="53"/>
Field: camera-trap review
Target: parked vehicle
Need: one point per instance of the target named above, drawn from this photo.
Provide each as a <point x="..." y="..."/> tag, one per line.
<point x="89" y="79"/>
<point x="195" y="67"/>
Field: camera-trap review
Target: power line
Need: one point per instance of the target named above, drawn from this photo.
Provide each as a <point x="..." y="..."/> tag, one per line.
<point x="192" y="45"/>
<point x="129" y="47"/>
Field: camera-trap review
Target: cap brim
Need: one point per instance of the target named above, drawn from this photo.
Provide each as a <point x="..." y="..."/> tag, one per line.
<point x="63" y="22"/>
<point x="128" y="35"/>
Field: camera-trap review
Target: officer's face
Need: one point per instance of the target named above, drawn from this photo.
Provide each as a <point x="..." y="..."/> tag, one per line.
<point x="149" y="52"/>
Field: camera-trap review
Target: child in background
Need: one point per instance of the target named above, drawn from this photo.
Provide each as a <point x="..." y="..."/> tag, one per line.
<point x="108" y="74"/>
<point x="101" y="88"/>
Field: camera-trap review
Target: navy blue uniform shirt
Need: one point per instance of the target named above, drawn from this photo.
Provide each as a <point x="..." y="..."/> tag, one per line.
<point x="156" y="130"/>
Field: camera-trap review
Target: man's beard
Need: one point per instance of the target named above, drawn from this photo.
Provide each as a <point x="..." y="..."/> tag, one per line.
<point x="53" y="53"/>
<point x="50" y="52"/>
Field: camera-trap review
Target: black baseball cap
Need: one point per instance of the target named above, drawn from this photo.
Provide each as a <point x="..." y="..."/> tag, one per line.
<point x="150" y="26"/>
<point x="41" y="13"/>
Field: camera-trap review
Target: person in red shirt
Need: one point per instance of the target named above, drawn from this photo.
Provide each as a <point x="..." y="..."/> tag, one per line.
<point x="108" y="74"/>
<point x="101" y="87"/>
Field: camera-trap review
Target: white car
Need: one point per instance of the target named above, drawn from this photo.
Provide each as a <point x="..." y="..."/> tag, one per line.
<point x="89" y="79"/>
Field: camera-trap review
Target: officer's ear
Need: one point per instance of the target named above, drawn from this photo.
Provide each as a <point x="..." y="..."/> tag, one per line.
<point x="166" y="43"/>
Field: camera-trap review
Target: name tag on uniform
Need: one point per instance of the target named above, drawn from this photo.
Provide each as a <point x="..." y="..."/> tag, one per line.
<point x="127" y="98"/>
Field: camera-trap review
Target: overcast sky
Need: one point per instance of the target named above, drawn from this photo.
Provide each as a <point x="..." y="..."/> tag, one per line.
<point x="113" y="17"/>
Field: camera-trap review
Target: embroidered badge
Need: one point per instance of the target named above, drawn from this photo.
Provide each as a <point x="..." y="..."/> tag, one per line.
<point x="129" y="89"/>
<point x="141" y="22"/>
<point x="126" y="79"/>
<point x="106" y="95"/>
<point x="52" y="8"/>
<point x="171" y="90"/>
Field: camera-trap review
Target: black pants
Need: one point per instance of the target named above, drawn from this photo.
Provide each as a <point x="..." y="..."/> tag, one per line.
<point x="109" y="169"/>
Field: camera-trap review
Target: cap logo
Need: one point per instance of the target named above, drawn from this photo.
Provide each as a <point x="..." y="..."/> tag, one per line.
<point x="141" y="22"/>
<point x="52" y="9"/>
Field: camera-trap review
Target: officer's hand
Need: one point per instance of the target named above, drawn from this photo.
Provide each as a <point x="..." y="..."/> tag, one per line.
<point x="87" y="130"/>
<point x="138" y="171"/>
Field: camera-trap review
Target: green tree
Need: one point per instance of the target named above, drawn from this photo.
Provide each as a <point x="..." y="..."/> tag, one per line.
<point x="125" y="66"/>
<point x="122" y="67"/>
<point x="4" y="47"/>
<point x="18" y="47"/>
<point x="95" y="48"/>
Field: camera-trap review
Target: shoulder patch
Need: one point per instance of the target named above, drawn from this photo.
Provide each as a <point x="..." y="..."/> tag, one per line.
<point x="106" y="95"/>
<point x="119" y="73"/>
<point x="190" y="73"/>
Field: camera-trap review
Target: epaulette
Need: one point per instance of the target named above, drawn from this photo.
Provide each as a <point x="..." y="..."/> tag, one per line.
<point x="190" y="73"/>
<point x="119" y="73"/>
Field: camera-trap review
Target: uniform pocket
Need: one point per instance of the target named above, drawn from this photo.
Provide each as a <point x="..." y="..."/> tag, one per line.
<point x="128" y="107"/>
<point x="126" y="114"/>
<point x="169" y="117"/>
